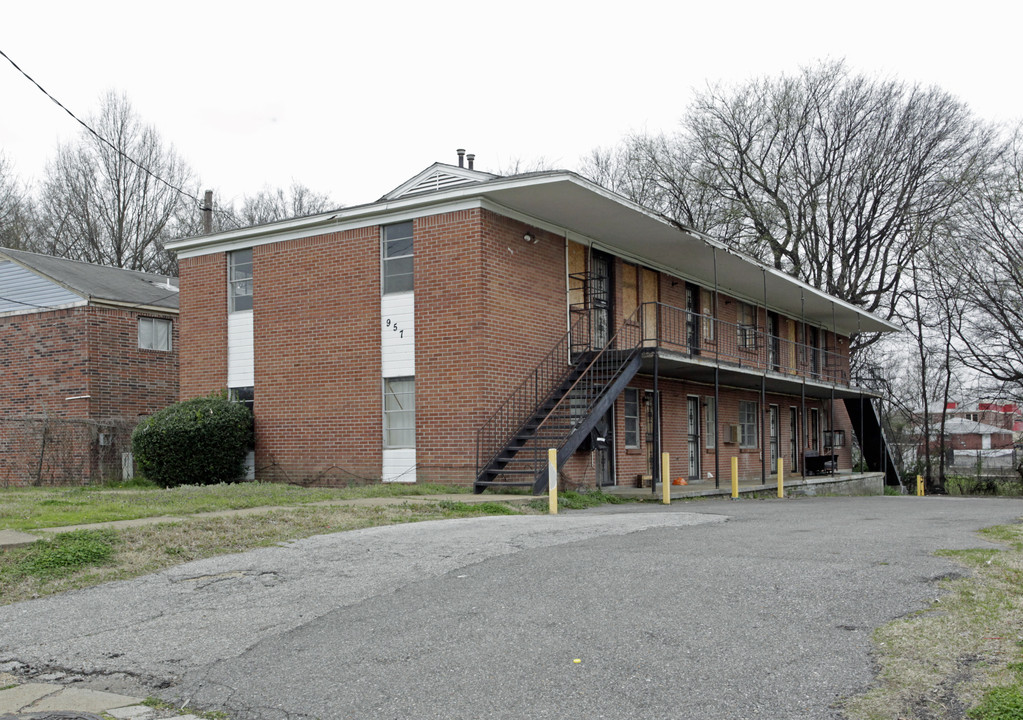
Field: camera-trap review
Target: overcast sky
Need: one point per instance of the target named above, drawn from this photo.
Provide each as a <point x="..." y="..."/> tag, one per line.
<point x="351" y="99"/>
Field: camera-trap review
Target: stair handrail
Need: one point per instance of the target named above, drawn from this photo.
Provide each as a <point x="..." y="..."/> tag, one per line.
<point x="510" y="414"/>
<point x="631" y="324"/>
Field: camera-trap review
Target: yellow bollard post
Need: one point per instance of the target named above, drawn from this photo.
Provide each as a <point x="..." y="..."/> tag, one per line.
<point x="735" y="477"/>
<point x="552" y="481"/>
<point x="665" y="479"/>
<point x="781" y="478"/>
<point x="919" y="485"/>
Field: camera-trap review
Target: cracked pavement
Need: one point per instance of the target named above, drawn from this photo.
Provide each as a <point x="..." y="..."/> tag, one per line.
<point x="714" y="609"/>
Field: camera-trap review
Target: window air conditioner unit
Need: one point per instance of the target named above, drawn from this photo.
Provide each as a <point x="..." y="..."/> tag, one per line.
<point x="734" y="432"/>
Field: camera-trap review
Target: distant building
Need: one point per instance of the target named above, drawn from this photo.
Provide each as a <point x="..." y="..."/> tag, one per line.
<point x="84" y="351"/>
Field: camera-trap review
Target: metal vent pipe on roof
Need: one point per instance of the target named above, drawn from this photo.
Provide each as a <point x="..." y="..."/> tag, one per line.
<point x="470" y="157"/>
<point x="461" y="157"/>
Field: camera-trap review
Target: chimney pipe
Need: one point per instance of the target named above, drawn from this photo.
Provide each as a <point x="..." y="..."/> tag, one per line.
<point x="470" y="157"/>
<point x="461" y="157"/>
<point x="207" y="213"/>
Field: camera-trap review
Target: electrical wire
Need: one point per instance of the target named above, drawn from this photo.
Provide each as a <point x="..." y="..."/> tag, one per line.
<point x="102" y="139"/>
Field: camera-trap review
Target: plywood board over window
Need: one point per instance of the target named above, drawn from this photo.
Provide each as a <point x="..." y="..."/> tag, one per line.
<point x="576" y="266"/>
<point x="630" y="289"/>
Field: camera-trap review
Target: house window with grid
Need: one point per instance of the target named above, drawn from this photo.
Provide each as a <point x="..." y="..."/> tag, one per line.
<point x="710" y="423"/>
<point x="397" y="257"/>
<point x="244" y="395"/>
<point x="748" y="424"/>
<point x="747" y="327"/>
<point x="400" y="412"/>
<point x="631" y="418"/>
<point x="154" y="334"/>
<point x="239" y="280"/>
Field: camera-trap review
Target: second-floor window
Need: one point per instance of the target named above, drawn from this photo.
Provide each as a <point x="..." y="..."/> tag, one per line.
<point x="747" y="327"/>
<point x="397" y="258"/>
<point x="239" y="280"/>
<point x="154" y="334"/>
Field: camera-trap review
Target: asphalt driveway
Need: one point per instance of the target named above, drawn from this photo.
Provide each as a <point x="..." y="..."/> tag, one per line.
<point x="749" y="609"/>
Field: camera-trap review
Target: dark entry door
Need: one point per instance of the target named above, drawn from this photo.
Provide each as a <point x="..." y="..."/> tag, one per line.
<point x="600" y="298"/>
<point x="603" y="445"/>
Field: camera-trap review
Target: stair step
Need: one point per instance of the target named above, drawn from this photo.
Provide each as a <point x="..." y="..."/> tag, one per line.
<point x="497" y="483"/>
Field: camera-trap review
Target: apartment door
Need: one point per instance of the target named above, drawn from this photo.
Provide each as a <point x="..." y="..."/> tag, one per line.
<point x="693" y="319"/>
<point x="794" y="440"/>
<point x="650" y="430"/>
<point x="693" y="426"/>
<point x="773" y="342"/>
<point x="603" y="446"/>
<point x="774" y="426"/>
<point x="600" y="298"/>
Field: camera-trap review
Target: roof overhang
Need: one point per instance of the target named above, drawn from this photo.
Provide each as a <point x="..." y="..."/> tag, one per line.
<point x="568" y="204"/>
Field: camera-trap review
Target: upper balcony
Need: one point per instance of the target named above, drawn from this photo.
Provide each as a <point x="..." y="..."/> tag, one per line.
<point x="691" y="346"/>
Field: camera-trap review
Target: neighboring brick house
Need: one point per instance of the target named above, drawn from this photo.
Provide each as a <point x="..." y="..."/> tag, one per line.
<point x="427" y="337"/>
<point x="84" y="351"/>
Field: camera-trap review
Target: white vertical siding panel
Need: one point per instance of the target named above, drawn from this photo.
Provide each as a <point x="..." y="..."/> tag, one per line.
<point x="397" y="346"/>
<point x="240" y="350"/>
<point x="399" y="465"/>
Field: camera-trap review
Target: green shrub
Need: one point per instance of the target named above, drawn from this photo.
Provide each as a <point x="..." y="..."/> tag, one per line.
<point x="195" y="442"/>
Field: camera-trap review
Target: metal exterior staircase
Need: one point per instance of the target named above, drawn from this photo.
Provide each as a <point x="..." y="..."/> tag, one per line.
<point x="512" y="445"/>
<point x="873" y="444"/>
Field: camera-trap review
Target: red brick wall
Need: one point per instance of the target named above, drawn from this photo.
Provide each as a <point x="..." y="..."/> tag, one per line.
<point x="43" y="361"/>
<point x="90" y="354"/>
<point x="203" y="324"/>
<point x="124" y="380"/>
<point x="489" y="307"/>
<point x="316" y="314"/>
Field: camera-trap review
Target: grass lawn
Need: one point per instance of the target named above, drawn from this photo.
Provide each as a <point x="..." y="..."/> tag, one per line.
<point x="30" y="508"/>
<point x="963" y="656"/>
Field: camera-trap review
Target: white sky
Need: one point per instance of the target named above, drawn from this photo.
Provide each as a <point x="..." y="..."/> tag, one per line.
<point x="352" y="100"/>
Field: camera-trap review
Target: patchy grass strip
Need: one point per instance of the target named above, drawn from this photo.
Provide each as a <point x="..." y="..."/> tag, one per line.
<point x="92" y="557"/>
<point x="30" y="508"/>
<point x="963" y="656"/>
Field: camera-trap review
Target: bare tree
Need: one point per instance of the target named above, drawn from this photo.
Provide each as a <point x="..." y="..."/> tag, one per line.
<point x="824" y="175"/>
<point x="115" y="202"/>
<point x="271" y="205"/>
<point x="15" y="210"/>
<point x="987" y="258"/>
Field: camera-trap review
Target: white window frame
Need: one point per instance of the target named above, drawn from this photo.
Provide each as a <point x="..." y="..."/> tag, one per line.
<point x="749" y="424"/>
<point x="239" y="280"/>
<point x="710" y="423"/>
<point x="632" y="419"/>
<point x="399" y="410"/>
<point x="391" y="236"/>
<point x="151" y="338"/>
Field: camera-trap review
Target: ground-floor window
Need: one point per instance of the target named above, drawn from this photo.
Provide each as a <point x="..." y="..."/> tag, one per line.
<point x="710" y="423"/>
<point x="244" y="395"/>
<point x="631" y="418"/>
<point x="747" y="424"/>
<point x="400" y="412"/>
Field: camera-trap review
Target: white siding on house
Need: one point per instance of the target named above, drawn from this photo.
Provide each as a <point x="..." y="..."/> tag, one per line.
<point x="397" y="335"/>
<point x="398" y="359"/>
<point x="23" y="291"/>
<point x="399" y="465"/>
<point x="240" y="352"/>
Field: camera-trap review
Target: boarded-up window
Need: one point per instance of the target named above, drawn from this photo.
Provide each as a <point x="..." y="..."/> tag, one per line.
<point x="630" y="290"/>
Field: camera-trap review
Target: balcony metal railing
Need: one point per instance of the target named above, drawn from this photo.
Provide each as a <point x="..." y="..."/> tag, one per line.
<point x="745" y="346"/>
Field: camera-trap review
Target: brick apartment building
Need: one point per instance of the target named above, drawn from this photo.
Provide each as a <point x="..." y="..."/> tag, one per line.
<point x="464" y="322"/>
<point x="84" y="351"/>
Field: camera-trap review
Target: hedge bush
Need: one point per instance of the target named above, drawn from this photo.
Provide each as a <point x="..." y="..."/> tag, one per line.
<point x="195" y="442"/>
